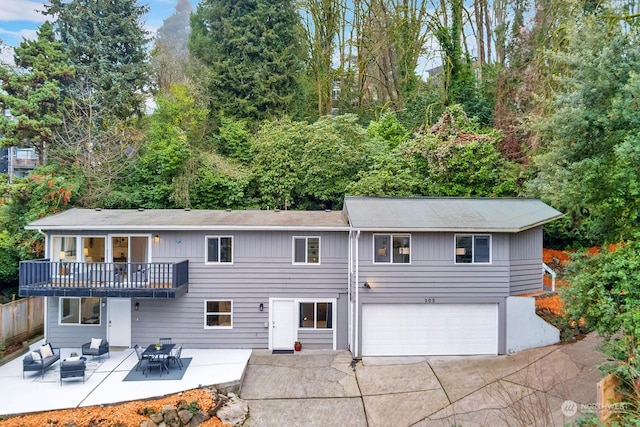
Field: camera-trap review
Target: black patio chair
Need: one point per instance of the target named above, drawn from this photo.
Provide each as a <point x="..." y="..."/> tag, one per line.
<point x="142" y="360"/>
<point x="175" y="356"/>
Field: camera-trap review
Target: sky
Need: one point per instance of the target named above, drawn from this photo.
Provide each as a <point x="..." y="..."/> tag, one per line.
<point x="20" y="19"/>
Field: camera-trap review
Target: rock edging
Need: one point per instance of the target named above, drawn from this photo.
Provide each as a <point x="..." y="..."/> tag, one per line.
<point x="230" y="409"/>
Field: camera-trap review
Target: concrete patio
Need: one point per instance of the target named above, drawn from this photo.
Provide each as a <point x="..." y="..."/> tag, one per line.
<point x="106" y="386"/>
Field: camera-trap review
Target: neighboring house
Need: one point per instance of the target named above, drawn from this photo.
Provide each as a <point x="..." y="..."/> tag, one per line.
<point x="18" y="162"/>
<point x="382" y="277"/>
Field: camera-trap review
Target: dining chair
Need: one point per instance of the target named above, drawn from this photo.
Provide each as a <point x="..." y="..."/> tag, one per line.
<point x="164" y="341"/>
<point x="141" y="357"/>
<point x="154" y="362"/>
<point x="175" y="356"/>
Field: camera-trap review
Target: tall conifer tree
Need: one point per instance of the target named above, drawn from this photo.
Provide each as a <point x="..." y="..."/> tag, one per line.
<point x="254" y="53"/>
<point x="106" y="43"/>
<point x="32" y="92"/>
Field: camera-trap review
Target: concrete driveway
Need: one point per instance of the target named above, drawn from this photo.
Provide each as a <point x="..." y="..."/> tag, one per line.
<point x="323" y="388"/>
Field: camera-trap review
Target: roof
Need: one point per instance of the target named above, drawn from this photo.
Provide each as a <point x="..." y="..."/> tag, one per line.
<point x="184" y="219"/>
<point x="508" y="215"/>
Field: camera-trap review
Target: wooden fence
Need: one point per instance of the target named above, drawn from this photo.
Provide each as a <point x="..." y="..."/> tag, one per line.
<point x="607" y="397"/>
<point x="21" y="319"/>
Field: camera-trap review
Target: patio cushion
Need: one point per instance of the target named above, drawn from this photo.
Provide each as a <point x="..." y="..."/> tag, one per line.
<point x="35" y="355"/>
<point x="46" y="351"/>
<point x="95" y="343"/>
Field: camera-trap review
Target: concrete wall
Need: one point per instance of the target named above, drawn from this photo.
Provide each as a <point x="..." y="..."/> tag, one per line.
<point x="525" y="329"/>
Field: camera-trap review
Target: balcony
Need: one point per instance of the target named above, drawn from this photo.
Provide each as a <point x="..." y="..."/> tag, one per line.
<point x="116" y="279"/>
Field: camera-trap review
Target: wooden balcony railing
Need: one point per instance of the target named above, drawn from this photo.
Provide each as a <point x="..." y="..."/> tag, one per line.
<point x="110" y="279"/>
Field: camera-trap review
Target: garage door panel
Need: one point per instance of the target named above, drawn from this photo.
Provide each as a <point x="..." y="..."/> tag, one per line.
<point x="435" y="329"/>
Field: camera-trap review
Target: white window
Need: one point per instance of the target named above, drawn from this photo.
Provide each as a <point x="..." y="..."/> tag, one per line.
<point x="316" y="315"/>
<point x="80" y="311"/>
<point x="473" y="249"/>
<point x="218" y="314"/>
<point x="64" y="249"/>
<point x="392" y="248"/>
<point x="306" y="250"/>
<point x="219" y="250"/>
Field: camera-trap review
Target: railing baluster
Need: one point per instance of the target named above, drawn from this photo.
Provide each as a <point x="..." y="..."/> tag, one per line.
<point x="62" y="276"/>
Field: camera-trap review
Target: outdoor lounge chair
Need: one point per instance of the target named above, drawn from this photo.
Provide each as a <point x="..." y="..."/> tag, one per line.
<point x="96" y="347"/>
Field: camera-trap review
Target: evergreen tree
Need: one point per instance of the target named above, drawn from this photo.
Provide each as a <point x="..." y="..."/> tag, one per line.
<point x="170" y="53"/>
<point x="106" y="43"/>
<point x="253" y="51"/>
<point x="32" y="91"/>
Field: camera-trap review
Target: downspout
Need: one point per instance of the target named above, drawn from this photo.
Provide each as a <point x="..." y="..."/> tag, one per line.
<point x="349" y="282"/>
<point x="357" y="288"/>
<point x="46" y="299"/>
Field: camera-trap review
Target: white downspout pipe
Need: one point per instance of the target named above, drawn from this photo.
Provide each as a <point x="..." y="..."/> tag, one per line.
<point x="357" y="288"/>
<point x="349" y="283"/>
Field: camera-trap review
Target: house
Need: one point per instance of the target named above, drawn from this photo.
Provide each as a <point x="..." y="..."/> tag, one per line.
<point x="383" y="276"/>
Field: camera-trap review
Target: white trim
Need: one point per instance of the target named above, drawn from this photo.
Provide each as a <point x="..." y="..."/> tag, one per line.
<point x="315" y="302"/>
<point x="206" y="313"/>
<point x="296" y="303"/>
<point x="60" y="304"/>
<point x="391" y="238"/>
<point x="206" y="250"/>
<point x="473" y="248"/>
<point x="306" y="250"/>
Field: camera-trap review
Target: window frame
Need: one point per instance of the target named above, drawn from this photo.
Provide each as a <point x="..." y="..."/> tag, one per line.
<point x="329" y="319"/>
<point x="206" y="250"/>
<point x="79" y="322"/>
<point x="218" y="313"/>
<point x="392" y="237"/>
<point x="306" y="250"/>
<point x="473" y="248"/>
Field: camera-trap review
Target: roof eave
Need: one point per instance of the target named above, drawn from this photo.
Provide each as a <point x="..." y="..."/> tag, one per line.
<point x="187" y="228"/>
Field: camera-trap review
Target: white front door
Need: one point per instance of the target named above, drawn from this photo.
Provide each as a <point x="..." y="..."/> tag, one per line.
<point x="283" y="324"/>
<point x="119" y="322"/>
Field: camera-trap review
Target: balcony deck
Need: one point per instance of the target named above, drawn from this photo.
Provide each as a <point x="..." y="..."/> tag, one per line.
<point x="102" y="279"/>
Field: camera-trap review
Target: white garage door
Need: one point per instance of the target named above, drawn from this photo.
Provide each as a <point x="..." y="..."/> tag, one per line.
<point x="429" y="329"/>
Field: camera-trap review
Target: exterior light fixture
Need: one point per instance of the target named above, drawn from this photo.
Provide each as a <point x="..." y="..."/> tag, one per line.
<point x="156" y="238"/>
<point x="136" y="306"/>
<point x="366" y="285"/>
<point x="261" y="307"/>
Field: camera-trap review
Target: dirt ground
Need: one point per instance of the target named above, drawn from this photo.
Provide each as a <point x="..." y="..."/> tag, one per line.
<point x="128" y="414"/>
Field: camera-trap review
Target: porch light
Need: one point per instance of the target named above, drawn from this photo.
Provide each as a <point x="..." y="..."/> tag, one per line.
<point x="367" y="285"/>
<point x="156" y="238"/>
<point x="136" y="306"/>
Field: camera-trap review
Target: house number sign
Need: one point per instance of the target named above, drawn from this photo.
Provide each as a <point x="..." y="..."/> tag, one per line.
<point x="429" y="300"/>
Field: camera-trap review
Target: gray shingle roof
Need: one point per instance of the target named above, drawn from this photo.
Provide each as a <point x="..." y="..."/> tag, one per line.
<point x="447" y="214"/>
<point x="178" y="219"/>
<point x="364" y="213"/>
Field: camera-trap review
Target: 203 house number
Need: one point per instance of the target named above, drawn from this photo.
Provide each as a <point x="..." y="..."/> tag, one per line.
<point x="429" y="300"/>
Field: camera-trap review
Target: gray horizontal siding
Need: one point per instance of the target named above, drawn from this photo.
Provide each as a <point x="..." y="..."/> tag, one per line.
<point x="316" y="338"/>
<point x="72" y="336"/>
<point x="433" y="272"/>
<point x="525" y="255"/>
<point x="262" y="269"/>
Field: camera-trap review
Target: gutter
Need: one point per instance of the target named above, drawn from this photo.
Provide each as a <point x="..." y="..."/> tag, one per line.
<point x="356" y="334"/>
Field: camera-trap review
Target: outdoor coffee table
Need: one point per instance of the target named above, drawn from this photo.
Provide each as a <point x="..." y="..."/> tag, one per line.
<point x="158" y="357"/>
